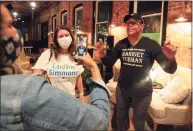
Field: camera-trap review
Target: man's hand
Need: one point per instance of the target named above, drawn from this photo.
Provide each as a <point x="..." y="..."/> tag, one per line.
<point x="87" y="61"/>
<point x="169" y="50"/>
<point x="90" y="64"/>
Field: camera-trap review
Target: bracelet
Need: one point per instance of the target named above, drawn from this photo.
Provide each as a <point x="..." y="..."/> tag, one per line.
<point x="81" y="94"/>
<point x="94" y="69"/>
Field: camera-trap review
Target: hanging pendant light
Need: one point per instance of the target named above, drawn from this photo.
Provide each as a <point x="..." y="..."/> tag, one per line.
<point x="181" y="18"/>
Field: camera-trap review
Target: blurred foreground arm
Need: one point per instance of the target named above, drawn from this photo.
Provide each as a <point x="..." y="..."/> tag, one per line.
<point x="47" y="107"/>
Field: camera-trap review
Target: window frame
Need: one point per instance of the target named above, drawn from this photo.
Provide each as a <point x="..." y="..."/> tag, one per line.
<point x="154" y="14"/>
<point x="75" y="15"/>
<point x="103" y="22"/>
<point x="54" y="21"/>
<point x="63" y="14"/>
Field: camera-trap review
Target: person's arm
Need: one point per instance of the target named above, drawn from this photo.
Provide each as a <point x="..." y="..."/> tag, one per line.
<point x="112" y="58"/>
<point x="49" y="108"/>
<point x="169" y="65"/>
<point x="79" y="85"/>
<point x="38" y="71"/>
<point x="43" y="60"/>
<point x="19" y="70"/>
<point x="46" y="107"/>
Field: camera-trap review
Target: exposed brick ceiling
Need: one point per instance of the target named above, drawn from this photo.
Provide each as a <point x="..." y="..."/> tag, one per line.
<point x="24" y="9"/>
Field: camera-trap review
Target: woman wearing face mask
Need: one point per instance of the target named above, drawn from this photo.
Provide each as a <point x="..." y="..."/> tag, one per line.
<point x="59" y="64"/>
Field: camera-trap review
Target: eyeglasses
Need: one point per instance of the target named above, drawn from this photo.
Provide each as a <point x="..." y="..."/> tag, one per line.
<point x="133" y="23"/>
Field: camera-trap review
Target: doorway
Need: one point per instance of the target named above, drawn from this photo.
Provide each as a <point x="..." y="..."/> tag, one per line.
<point x="44" y="35"/>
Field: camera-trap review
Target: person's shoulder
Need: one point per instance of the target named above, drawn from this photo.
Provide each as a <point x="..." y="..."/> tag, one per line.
<point x="46" y="53"/>
<point x="150" y="42"/>
<point x="122" y="41"/>
<point x="147" y="39"/>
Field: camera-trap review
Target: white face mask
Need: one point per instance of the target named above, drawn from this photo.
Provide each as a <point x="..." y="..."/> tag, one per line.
<point x="65" y="41"/>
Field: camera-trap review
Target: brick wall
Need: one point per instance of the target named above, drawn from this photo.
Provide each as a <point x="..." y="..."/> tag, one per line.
<point x="180" y="33"/>
<point x="119" y="10"/>
<point x="177" y="7"/>
<point x="181" y="38"/>
<point x="69" y="6"/>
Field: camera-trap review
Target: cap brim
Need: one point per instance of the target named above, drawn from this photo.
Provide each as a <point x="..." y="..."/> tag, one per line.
<point x="126" y="18"/>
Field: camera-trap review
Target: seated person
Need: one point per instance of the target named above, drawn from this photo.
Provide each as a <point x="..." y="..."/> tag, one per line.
<point x="29" y="102"/>
<point x="32" y="62"/>
<point x="96" y="55"/>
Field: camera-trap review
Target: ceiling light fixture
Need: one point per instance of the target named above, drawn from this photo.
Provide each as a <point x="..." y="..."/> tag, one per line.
<point x="33" y="5"/>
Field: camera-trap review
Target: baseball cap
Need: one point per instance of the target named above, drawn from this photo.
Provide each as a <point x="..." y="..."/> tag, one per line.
<point x="136" y="16"/>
